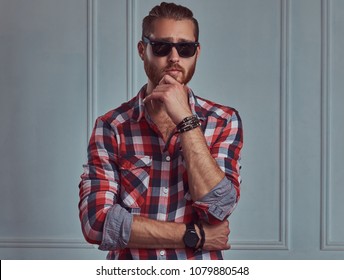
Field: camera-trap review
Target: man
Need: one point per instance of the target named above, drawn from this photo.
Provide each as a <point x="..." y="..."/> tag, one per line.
<point x="163" y="169"/>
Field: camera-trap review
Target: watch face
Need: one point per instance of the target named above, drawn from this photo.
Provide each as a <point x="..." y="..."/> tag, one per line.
<point x="191" y="239"/>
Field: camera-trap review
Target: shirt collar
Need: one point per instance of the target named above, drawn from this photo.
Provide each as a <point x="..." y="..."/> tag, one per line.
<point x="139" y="107"/>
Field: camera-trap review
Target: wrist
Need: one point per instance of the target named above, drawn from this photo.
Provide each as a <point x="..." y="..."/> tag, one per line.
<point x="194" y="236"/>
<point x="181" y="116"/>
<point x="188" y="123"/>
<point x="202" y="236"/>
<point x="191" y="238"/>
<point x="198" y="231"/>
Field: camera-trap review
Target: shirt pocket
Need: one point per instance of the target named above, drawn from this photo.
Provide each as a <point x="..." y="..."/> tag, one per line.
<point x="134" y="178"/>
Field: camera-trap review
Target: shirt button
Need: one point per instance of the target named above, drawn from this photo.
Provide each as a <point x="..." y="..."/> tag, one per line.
<point x="165" y="190"/>
<point x="168" y="158"/>
<point x="162" y="253"/>
<point x="217" y="193"/>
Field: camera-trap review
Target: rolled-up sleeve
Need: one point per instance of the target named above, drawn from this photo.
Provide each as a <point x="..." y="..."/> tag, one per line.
<point x="220" y="202"/>
<point x="98" y="190"/>
<point x="117" y="228"/>
<point x="217" y="204"/>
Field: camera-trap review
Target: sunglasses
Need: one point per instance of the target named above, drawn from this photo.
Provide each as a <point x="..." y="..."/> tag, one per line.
<point x="163" y="48"/>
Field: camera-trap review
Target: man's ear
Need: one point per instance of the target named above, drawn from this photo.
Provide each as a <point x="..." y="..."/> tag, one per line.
<point x="198" y="52"/>
<point x="141" y="49"/>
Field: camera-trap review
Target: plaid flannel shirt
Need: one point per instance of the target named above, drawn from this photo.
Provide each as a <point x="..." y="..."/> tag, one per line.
<point x="132" y="171"/>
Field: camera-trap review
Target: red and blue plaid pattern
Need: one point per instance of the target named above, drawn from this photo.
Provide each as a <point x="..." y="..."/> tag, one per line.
<point x="130" y="164"/>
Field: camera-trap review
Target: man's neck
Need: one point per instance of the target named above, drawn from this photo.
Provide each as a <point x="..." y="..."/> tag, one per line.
<point x="150" y="88"/>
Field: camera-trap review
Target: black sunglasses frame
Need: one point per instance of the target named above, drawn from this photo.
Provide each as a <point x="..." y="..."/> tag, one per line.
<point x="179" y="47"/>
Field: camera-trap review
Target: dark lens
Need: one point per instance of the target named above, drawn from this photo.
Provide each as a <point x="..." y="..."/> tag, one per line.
<point x="161" y="48"/>
<point x="186" y="49"/>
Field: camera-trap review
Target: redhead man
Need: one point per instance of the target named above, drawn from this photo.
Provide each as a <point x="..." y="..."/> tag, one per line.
<point x="162" y="175"/>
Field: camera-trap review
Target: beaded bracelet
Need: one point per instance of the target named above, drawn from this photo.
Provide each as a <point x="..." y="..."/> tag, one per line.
<point x="188" y="123"/>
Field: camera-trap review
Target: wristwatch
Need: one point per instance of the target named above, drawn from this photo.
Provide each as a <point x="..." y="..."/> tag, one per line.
<point x="191" y="237"/>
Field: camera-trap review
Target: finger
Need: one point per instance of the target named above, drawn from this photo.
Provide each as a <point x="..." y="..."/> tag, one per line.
<point x="226" y="222"/>
<point x="162" y="87"/>
<point x="153" y="96"/>
<point x="170" y="89"/>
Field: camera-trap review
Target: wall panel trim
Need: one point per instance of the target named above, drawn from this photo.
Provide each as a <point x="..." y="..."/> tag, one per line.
<point x="92" y="62"/>
<point x="8" y="242"/>
<point x="283" y="238"/>
<point x="131" y="48"/>
<point x="282" y="243"/>
<point x="326" y="41"/>
<point x="39" y="243"/>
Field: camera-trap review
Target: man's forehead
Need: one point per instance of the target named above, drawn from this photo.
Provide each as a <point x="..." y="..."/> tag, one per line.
<point x="173" y="30"/>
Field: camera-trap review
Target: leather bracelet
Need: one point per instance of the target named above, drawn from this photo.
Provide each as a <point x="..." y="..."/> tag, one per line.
<point x="188" y="123"/>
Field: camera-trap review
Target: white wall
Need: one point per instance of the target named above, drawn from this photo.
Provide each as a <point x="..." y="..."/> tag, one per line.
<point x="279" y="62"/>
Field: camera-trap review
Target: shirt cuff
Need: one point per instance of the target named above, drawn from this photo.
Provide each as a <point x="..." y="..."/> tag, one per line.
<point x="116" y="230"/>
<point x="219" y="202"/>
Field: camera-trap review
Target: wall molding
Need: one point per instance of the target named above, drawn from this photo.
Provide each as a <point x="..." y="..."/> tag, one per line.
<point x="131" y="49"/>
<point x="47" y="243"/>
<point x="92" y="62"/>
<point x="91" y="113"/>
<point x="326" y="57"/>
<point x="285" y="126"/>
<point x="282" y="243"/>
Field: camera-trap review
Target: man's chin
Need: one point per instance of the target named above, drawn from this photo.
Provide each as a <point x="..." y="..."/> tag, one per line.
<point x="178" y="77"/>
<point x="175" y="75"/>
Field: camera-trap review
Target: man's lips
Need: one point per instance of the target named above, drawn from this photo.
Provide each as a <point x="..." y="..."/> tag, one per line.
<point x="173" y="71"/>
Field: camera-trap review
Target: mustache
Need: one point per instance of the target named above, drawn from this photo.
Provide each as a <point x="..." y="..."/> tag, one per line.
<point x="174" y="67"/>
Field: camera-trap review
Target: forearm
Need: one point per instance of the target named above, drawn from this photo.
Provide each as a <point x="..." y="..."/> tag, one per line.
<point x="123" y="230"/>
<point x="152" y="234"/>
<point x="203" y="171"/>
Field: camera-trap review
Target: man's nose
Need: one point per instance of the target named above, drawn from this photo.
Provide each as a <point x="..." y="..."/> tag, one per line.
<point x="174" y="56"/>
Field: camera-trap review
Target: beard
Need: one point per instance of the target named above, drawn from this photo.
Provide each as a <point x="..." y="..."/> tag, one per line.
<point x="155" y="74"/>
